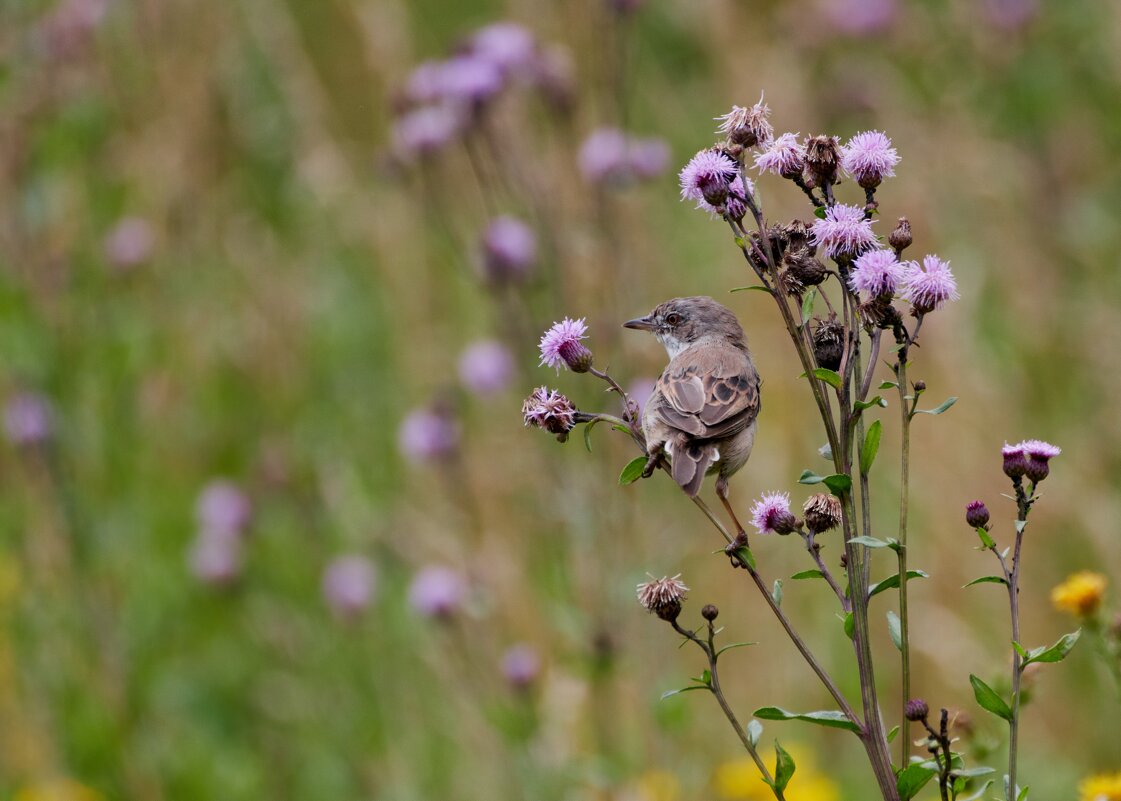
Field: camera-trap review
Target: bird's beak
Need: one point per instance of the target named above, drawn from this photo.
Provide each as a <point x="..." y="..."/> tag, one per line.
<point x="640" y="324"/>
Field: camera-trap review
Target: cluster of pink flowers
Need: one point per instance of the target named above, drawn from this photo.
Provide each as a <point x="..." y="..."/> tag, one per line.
<point x="927" y="286"/>
<point x="612" y="157"/>
<point x="1030" y="458"/>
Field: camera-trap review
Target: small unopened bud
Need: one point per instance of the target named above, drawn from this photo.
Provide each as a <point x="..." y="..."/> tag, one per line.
<point x="822" y="512"/>
<point x="920" y="386"/>
<point x="977" y="514"/>
<point x="900" y="237"/>
<point x="1037" y="470"/>
<point x="709" y="612"/>
<point x="916" y="709"/>
<point x="822" y="159"/>
<point x="1015" y="461"/>
<point x="663" y="597"/>
<point x="828" y="341"/>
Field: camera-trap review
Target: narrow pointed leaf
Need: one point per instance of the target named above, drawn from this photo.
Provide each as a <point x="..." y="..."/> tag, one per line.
<point x="912" y="779"/>
<point x="807" y="574"/>
<point x="830" y="377"/>
<point x="838" y="484"/>
<point x="987" y="580"/>
<point x="588" y="434"/>
<point x="986" y="540"/>
<point x="943" y="406"/>
<point x="810" y="477"/>
<point x="730" y="646"/>
<point x="870" y="542"/>
<point x="849" y="624"/>
<point x="977" y="796"/>
<point x="870" y="446"/>
<point x="776" y="592"/>
<point x="989" y="700"/>
<point x="1053" y="653"/>
<point x="745" y="555"/>
<point x="891" y="735"/>
<point x="671" y="693"/>
<point x="894" y="628"/>
<point x="808" y="306"/>
<point x="784" y="767"/>
<point x="633" y="471"/>
<point x="832" y="718"/>
<point x="755" y="288"/>
<point x="891" y="582"/>
<point x="972" y="773"/>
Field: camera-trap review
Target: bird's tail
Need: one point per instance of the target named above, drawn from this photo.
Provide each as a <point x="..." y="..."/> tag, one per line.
<point x="691" y="461"/>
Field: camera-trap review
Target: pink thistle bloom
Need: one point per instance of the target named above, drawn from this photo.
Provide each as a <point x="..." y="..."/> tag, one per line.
<point x="426" y="82"/>
<point x="784" y="156"/>
<point x="1015" y="460"/>
<point x="223" y="507"/>
<point x="561" y="345"/>
<point x="486" y="367"/>
<point x="129" y="243"/>
<point x="869" y="158"/>
<point x="521" y="665"/>
<point x="216" y="557"/>
<point x="877" y="272"/>
<point x="771" y="514"/>
<point x="349" y="584"/>
<point x="843" y="231"/>
<point x="470" y="80"/>
<point x="28" y="419"/>
<point x="554" y="74"/>
<point x="930" y="286"/>
<point x="648" y="158"/>
<point x="507" y="45"/>
<point x="603" y="156"/>
<point x="1038" y="449"/>
<point x="426" y="435"/>
<point x="509" y="249"/>
<point x="548" y="409"/>
<point x="712" y="179"/>
<point x="425" y="130"/>
<point x="437" y="592"/>
<point x="748" y="126"/>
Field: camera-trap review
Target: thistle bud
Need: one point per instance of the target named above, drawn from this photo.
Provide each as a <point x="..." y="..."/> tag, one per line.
<point x="1015" y="461"/>
<point x="900" y="237"/>
<point x="977" y="514"/>
<point x="822" y="159"/>
<point x="709" y="612"/>
<point x="663" y="597"/>
<point x="916" y="710"/>
<point x="828" y="341"/>
<point x="920" y="386"/>
<point x="822" y="512"/>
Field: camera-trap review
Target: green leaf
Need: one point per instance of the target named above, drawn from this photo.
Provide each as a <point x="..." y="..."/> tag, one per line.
<point x="986" y="580"/>
<point x="755" y="288"/>
<point x="807" y="574"/>
<point x="876" y="401"/>
<point x="633" y="471"/>
<point x="1023" y="793"/>
<point x="730" y="646"/>
<point x="776" y="593"/>
<point x="784" y="768"/>
<point x="943" y="406"/>
<point x="741" y="242"/>
<point x="1053" y="653"/>
<point x="979" y="794"/>
<point x="972" y="773"/>
<point x="745" y="555"/>
<point x="819" y="212"/>
<point x="870" y="446"/>
<point x="894" y="628"/>
<point x="870" y="542"/>
<point x="754" y="731"/>
<point x="838" y="484"/>
<point x="986" y="540"/>
<point x="830" y="377"/>
<point x="810" y="477"/>
<point x="832" y="718"/>
<point x="671" y="693"/>
<point x="588" y="434"/>
<point x="891" y="735"/>
<point x="989" y="700"/>
<point x="808" y="305"/>
<point x="1019" y="649"/>
<point x="891" y="582"/>
<point x="912" y="779"/>
<point x="888" y="385"/>
<point x="849" y="624"/>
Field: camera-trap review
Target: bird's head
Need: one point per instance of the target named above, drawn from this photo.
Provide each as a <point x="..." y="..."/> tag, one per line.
<point x="680" y="322"/>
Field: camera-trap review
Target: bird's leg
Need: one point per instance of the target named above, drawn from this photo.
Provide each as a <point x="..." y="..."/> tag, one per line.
<point x="655" y="456"/>
<point x="722" y="494"/>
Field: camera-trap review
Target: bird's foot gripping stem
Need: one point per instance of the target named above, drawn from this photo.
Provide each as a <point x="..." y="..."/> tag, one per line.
<point x="653" y="462"/>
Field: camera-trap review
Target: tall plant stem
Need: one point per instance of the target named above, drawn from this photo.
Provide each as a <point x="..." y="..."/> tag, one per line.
<point x="906" y="412"/>
<point x="1023" y="502"/>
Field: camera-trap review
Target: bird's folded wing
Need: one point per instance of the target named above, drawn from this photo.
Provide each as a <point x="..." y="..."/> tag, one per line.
<point x="710" y="397"/>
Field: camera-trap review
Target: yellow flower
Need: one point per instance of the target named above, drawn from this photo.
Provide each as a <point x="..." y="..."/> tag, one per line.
<point x="739" y="780"/>
<point x="57" y="790"/>
<point x="1105" y="787"/>
<point x="659" y="785"/>
<point x="1080" y="594"/>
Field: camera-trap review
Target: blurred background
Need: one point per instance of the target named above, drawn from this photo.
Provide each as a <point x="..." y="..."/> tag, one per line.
<point x="271" y="525"/>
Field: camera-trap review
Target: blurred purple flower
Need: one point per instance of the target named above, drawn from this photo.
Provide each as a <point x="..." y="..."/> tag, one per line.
<point x="470" y="80"/>
<point x="561" y="346"/>
<point x="349" y="584"/>
<point x="625" y="6"/>
<point x="554" y="74"/>
<point x="486" y="367"/>
<point x="1009" y="15"/>
<point x="521" y="665"/>
<point x="28" y="419"/>
<point x="223" y="507"/>
<point x="877" y="272"/>
<point x="869" y="158"/>
<point x="648" y="158"/>
<point x="748" y="126"/>
<point x="640" y="391"/>
<point x="785" y="156"/>
<point x="771" y="514"/>
<point x="860" y="17"/>
<point x="70" y="26"/>
<point x="428" y="434"/>
<point x="425" y="83"/>
<point x="603" y="157"/>
<point x="129" y="243"/>
<point x="548" y="409"/>
<point x="425" y="130"/>
<point x="843" y="231"/>
<point x="507" y="45"/>
<point x="437" y="591"/>
<point x="930" y="286"/>
<point x="216" y="557"/>
<point x="509" y="249"/>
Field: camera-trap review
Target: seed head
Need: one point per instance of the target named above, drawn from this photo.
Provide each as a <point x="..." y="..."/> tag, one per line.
<point x="748" y="127"/>
<point x="548" y="409"/>
<point x="663" y="597"/>
<point x="823" y="157"/>
<point x="977" y="514"/>
<point x="785" y="156"/>
<point x="803" y="267"/>
<point x="822" y="512"/>
<point x="828" y="340"/>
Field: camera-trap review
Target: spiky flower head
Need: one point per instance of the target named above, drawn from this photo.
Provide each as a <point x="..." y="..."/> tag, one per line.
<point x="828" y="341"/>
<point x="876" y="272"/>
<point x="748" y="127"/>
<point x="869" y="158"/>
<point x="929" y="287"/>
<point x="822" y="512"/>
<point x="663" y="596"/>
<point x="784" y="156"/>
<point x="916" y="709"/>
<point x="548" y="409"/>
<point x="976" y="514"/>
<point x="1081" y="594"/>
<point x="843" y="231"/>
<point x="771" y="514"/>
<point x="712" y="179"/>
<point x="823" y="157"/>
<point x="1015" y="460"/>
<point x="1039" y="454"/>
<point x="561" y="345"/>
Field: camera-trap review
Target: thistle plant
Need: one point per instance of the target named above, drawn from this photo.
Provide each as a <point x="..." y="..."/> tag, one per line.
<point x="849" y="296"/>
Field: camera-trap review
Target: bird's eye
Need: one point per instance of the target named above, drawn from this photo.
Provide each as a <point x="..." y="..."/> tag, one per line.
<point x="673" y="318"/>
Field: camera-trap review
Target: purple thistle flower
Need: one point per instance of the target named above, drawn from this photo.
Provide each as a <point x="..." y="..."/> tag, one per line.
<point x="712" y="179"/>
<point x="843" y="231"/>
<point x="561" y="345"/>
<point x="28" y="419"/>
<point x="877" y="272"/>
<point x="976" y="514"/>
<point x="860" y="17"/>
<point x="425" y="130"/>
<point x="509" y="248"/>
<point x="470" y="80"/>
<point x="507" y="45"/>
<point x="648" y="158"/>
<point x="548" y="409"/>
<point x="223" y="507"/>
<point x="427" y="435"/>
<point x="748" y="127"/>
<point x="216" y="557"/>
<point x="553" y="73"/>
<point x="486" y="367"/>
<point x="785" y="156"/>
<point x="603" y="157"/>
<point x="869" y="158"/>
<point x="129" y="243"/>
<point x="1038" y="449"/>
<point x="771" y="514"/>
<point x="437" y="592"/>
<point x="425" y="83"/>
<point x="349" y="584"/>
<point x="1009" y="15"/>
<point x="930" y="286"/>
<point x="521" y="665"/>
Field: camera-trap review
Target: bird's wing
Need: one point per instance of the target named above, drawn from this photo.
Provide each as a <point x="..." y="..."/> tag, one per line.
<point x="709" y="392"/>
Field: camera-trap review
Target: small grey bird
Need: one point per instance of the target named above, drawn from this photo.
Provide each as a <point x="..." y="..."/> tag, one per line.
<point x="703" y="409"/>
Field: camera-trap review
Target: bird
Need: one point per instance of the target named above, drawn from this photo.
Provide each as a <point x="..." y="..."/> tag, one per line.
<point x="702" y="413"/>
